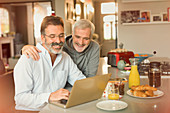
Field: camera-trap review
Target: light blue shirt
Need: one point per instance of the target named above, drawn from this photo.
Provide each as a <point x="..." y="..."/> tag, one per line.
<point x="36" y="80"/>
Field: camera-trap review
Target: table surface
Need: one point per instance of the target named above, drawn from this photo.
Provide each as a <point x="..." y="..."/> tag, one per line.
<point x="135" y="105"/>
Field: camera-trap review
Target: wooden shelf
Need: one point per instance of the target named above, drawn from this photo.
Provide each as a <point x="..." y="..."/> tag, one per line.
<point x="134" y="1"/>
<point x="145" y="23"/>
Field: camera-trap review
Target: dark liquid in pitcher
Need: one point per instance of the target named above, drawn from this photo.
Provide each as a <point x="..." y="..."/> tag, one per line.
<point x="121" y="88"/>
<point x="154" y="79"/>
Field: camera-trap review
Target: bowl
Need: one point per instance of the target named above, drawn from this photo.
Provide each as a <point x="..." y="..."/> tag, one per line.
<point x="142" y="56"/>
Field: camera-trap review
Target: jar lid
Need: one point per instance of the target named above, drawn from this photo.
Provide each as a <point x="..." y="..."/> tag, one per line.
<point x="155" y="64"/>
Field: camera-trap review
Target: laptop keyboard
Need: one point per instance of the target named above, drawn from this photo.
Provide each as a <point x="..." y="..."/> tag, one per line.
<point x="63" y="101"/>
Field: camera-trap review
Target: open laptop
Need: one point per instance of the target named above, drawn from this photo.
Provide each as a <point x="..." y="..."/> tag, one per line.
<point x="85" y="90"/>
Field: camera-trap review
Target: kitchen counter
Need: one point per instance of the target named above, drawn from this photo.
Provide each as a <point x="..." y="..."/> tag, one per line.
<point x="135" y="105"/>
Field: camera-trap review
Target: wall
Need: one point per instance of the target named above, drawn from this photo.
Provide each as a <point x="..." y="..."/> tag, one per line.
<point x="60" y="11"/>
<point x="21" y="22"/>
<point x="106" y="45"/>
<point x="145" y="38"/>
<point x="30" y="25"/>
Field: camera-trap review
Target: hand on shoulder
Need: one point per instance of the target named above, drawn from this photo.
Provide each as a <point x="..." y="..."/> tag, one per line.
<point x="32" y="51"/>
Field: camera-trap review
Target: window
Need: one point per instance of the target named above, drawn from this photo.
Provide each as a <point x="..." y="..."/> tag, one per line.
<point x="40" y="11"/>
<point x="110" y="27"/>
<point x="107" y="30"/>
<point x="4" y="21"/>
<point x="108" y="8"/>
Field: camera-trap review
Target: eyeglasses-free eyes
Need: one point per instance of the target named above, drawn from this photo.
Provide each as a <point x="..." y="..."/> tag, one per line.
<point x="62" y="35"/>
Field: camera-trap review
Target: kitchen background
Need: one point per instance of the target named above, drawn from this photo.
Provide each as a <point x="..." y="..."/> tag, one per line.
<point x="139" y="38"/>
<point x="146" y="38"/>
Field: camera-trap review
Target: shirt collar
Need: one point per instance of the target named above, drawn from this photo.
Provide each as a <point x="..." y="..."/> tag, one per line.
<point x="40" y="47"/>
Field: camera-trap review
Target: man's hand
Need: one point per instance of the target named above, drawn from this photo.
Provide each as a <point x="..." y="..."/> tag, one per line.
<point x="32" y="51"/>
<point x="59" y="94"/>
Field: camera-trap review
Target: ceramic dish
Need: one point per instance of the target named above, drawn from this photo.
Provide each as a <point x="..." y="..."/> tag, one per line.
<point x="157" y="94"/>
<point x="111" y="105"/>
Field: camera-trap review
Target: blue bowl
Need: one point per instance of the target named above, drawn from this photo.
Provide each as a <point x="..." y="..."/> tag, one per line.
<point x="141" y="58"/>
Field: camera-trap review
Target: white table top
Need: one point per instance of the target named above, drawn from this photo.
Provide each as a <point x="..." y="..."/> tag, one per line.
<point x="135" y="105"/>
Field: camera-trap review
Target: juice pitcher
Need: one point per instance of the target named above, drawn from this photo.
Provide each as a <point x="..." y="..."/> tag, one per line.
<point x="134" y="78"/>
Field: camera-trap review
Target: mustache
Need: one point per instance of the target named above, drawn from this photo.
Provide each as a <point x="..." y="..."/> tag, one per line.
<point x="55" y="43"/>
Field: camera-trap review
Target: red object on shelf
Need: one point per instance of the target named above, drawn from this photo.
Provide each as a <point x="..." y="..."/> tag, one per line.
<point x="115" y="57"/>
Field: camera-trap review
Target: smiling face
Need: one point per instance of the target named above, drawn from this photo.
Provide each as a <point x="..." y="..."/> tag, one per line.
<point x="53" y="39"/>
<point x="81" y="39"/>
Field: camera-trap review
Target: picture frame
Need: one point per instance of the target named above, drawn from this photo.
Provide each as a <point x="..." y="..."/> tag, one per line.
<point x="168" y="13"/>
<point x="130" y="16"/>
<point x="145" y="16"/>
<point x="164" y="16"/>
<point x="156" y="18"/>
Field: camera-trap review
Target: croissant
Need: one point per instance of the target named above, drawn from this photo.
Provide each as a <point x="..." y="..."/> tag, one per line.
<point x="149" y="93"/>
<point x="143" y="91"/>
<point x="144" y="87"/>
<point x="139" y="94"/>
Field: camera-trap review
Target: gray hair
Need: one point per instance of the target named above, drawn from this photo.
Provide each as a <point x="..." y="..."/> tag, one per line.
<point x="83" y="24"/>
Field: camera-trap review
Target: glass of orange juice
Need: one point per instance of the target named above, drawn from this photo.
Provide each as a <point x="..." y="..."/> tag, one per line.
<point x="113" y="92"/>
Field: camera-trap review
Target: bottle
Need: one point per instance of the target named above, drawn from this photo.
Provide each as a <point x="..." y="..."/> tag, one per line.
<point x="134" y="78"/>
<point x="154" y="74"/>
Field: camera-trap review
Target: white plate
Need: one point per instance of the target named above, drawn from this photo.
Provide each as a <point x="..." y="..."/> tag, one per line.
<point x="158" y="93"/>
<point x="111" y="105"/>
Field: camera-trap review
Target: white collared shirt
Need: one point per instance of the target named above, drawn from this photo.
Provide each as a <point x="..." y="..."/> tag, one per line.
<point x="36" y="80"/>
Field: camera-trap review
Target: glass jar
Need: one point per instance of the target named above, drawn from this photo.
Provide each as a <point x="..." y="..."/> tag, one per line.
<point x="119" y="83"/>
<point x="154" y="74"/>
<point x="113" y="92"/>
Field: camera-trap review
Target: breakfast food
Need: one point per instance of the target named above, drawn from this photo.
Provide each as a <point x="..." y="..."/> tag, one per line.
<point x="140" y="55"/>
<point x="143" y="91"/>
<point x="113" y="96"/>
<point x="136" y="55"/>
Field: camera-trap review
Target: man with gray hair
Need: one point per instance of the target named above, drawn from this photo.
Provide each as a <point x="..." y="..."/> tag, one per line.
<point x="84" y="51"/>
